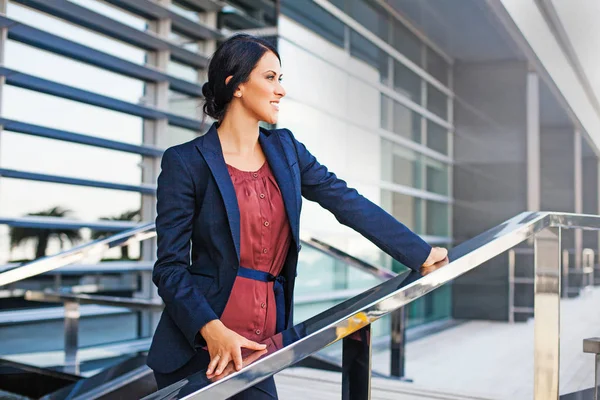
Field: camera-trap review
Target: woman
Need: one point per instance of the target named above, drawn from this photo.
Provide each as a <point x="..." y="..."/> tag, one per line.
<point x="236" y="194"/>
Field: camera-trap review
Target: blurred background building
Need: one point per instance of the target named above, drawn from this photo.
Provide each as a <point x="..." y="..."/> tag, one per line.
<point x="454" y="116"/>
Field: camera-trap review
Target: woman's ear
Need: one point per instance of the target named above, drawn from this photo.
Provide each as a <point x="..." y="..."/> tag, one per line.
<point x="237" y="92"/>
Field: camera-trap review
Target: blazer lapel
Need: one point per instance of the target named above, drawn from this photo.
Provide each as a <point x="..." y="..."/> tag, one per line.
<point x="271" y="146"/>
<point x="210" y="147"/>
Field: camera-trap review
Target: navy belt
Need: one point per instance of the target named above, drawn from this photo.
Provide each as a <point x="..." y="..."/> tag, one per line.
<point x="278" y="282"/>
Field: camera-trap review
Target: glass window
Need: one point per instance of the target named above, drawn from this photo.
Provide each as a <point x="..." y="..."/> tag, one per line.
<point x="63" y="70"/>
<point x="437" y="176"/>
<point x="182" y="10"/>
<point x="437" y="102"/>
<point x="20" y="197"/>
<point x="77" y="34"/>
<point x="438" y="218"/>
<point x="56" y="157"/>
<point x="182" y="104"/>
<point x="407" y="82"/>
<point x="386" y="105"/>
<point x="365" y="50"/>
<point x="437" y="137"/>
<point x="371" y="16"/>
<point x="182" y="71"/>
<point x="115" y="13"/>
<point x="437" y="66"/>
<point x="404" y="208"/>
<point x="54" y="112"/>
<point x="176" y="135"/>
<point x="400" y="165"/>
<point x="407" y="123"/>
<point x="313" y="17"/>
<point x="184" y="41"/>
<point x="407" y="43"/>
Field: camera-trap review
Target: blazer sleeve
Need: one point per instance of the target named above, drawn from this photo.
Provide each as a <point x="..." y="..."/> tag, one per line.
<point x="184" y="301"/>
<point x="355" y="211"/>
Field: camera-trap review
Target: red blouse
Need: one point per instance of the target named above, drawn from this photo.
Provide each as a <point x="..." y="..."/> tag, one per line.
<point x="265" y="238"/>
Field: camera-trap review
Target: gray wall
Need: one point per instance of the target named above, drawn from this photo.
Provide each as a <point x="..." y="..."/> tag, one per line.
<point x="489" y="175"/>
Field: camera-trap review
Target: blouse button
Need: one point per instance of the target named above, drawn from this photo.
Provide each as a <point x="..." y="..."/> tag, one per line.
<point x="262" y="305"/>
<point x="257" y="332"/>
<point x="266" y="223"/>
<point x="265" y="251"/>
<point x="255" y="175"/>
<point x="262" y="195"/>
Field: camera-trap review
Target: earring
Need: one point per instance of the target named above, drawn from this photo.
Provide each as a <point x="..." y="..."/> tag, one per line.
<point x="238" y="95"/>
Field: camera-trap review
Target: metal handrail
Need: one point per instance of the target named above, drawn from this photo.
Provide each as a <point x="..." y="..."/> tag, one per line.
<point x="67" y="257"/>
<point x="350" y="321"/>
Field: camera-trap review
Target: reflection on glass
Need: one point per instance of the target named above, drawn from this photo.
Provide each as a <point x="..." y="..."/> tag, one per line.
<point x="437" y="102"/>
<point x="400" y="165"/>
<point x="318" y="272"/>
<point x="437" y="176"/>
<point x="404" y="208"/>
<point x="407" y="82"/>
<point x="315" y="18"/>
<point x="54" y="112"/>
<point x="437" y="137"/>
<point x="365" y="50"/>
<point x="438" y="218"/>
<point x="59" y="69"/>
<point x="434" y="306"/>
<point x="371" y="16"/>
<point x="72" y="32"/>
<point x="437" y="66"/>
<point x="55" y="157"/>
<point x="407" y="43"/>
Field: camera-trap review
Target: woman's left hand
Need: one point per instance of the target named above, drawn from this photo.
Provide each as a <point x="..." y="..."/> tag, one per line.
<point x="438" y="257"/>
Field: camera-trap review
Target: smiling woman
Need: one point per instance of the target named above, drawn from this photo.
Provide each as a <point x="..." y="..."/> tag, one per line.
<point x="235" y="194"/>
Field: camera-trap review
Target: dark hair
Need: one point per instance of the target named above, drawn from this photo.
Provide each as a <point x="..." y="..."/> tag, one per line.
<point x="237" y="56"/>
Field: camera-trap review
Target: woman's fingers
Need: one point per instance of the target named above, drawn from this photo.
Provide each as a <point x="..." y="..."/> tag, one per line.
<point x="213" y="363"/>
<point x="437" y="254"/>
<point x="237" y="358"/>
<point x="222" y="363"/>
<point x="249" y="344"/>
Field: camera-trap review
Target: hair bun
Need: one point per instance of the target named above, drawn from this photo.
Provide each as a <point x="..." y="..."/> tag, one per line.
<point x="207" y="90"/>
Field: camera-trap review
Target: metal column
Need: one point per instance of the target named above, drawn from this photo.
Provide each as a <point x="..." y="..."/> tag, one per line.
<point x="356" y="365"/>
<point x="547" y="313"/>
<point x="156" y="94"/>
<point x="71" y="337"/>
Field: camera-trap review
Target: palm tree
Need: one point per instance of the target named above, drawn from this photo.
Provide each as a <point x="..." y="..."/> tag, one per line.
<point x="20" y="234"/>
<point x="132" y="215"/>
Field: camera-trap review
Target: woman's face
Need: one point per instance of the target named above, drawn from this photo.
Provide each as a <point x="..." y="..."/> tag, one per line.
<point x="260" y="95"/>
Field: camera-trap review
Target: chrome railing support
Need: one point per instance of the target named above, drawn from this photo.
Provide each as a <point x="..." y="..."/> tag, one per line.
<point x="592" y="346"/>
<point x="356" y="365"/>
<point x="71" y="337"/>
<point x="547" y="247"/>
<point x="398" y="342"/>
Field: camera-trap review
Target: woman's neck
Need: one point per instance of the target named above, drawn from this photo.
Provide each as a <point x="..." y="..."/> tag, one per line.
<point x="238" y="135"/>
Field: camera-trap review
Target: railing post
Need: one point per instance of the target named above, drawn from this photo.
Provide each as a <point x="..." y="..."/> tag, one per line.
<point x="398" y="342"/>
<point x="547" y="313"/>
<point x="511" y="286"/>
<point x="356" y="365"/>
<point x="71" y="337"/>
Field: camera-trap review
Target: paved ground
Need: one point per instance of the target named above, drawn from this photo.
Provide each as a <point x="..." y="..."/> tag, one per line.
<point x="496" y="359"/>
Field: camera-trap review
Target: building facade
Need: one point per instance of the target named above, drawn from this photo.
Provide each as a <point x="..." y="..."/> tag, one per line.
<point x="453" y="119"/>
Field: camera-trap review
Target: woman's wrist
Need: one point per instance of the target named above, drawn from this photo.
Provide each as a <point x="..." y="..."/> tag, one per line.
<point x="211" y="329"/>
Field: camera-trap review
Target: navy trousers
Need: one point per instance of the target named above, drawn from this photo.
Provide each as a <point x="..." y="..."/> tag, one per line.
<point x="264" y="390"/>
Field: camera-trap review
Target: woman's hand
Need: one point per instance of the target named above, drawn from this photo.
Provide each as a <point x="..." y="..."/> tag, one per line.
<point x="438" y="257"/>
<point x="224" y="345"/>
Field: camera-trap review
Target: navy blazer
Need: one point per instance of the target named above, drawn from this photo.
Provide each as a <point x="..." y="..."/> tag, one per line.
<point x="196" y="202"/>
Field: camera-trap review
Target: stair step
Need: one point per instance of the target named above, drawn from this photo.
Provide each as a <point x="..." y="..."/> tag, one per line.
<point x="318" y="384"/>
